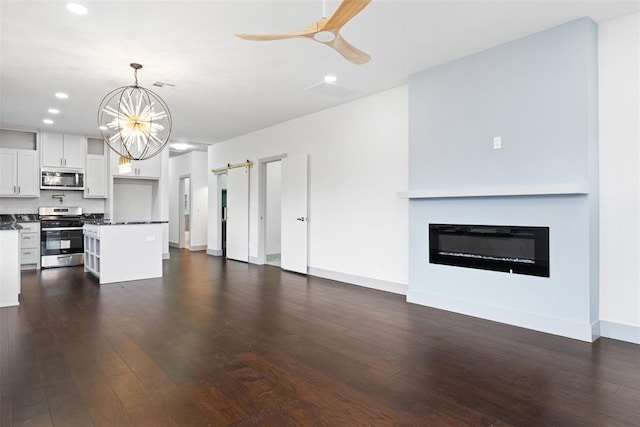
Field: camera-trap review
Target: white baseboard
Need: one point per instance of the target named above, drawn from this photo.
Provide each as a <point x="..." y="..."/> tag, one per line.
<point x="166" y="255"/>
<point x="255" y="260"/>
<point x="352" y="279"/>
<point x="550" y="325"/>
<point x="214" y="252"/>
<point x="9" y="304"/>
<point x="620" y="331"/>
<point x="194" y="248"/>
<point x="174" y="245"/>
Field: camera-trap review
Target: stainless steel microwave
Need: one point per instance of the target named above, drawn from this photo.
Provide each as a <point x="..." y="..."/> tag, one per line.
<point x="53" y="179"/>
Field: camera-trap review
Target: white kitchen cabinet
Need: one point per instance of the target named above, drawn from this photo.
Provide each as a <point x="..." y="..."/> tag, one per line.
<point x="144" y="169"/>
<point x="63" y="151"/>
<point x="92" y="249"/>
<point x="19" y="173"/>
<point x="108" y="259"/>
<point x="96" y="177"/>
<point x="30" y="245"/>
<point x="9" y="268"/>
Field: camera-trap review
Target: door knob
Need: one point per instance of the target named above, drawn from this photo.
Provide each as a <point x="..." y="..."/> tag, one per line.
<point x="301" y="219"/>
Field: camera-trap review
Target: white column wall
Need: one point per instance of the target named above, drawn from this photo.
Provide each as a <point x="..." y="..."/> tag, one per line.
<point x="619" y="97"/>
<point x="195" y="165"/>
<point x="358" y="227"/>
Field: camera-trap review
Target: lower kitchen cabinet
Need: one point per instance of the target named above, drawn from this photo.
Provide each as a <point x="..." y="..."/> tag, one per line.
<point x="30" y="245"/>
<point x="120" y="252"/>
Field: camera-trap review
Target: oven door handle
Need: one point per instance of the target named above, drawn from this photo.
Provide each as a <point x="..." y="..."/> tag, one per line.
<point x="61" y="228"/>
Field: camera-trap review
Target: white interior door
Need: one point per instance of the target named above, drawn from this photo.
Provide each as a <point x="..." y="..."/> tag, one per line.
<point x="294" y="214"/>
<point x="238" y="214"/>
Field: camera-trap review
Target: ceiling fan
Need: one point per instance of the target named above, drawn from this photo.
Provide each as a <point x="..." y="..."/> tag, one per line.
<point x="326" y="31"/>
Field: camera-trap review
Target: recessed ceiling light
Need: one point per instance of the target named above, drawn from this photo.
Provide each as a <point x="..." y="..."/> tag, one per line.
<point x="76" y="8"/>
<point x="53" y="111"/>
<point x="47" y="121"/>
<point x="61" y="95"/>
<point x="102" y="127"/>
<point x="330" y="79"/>
<point x="180" y="146"/>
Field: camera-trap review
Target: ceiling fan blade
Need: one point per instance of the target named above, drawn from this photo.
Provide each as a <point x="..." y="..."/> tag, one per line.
<point x="307" y="31"/>
<point x="266" y="37"/>
<point x="349" y="51"/>
<point x="343" y="14"/>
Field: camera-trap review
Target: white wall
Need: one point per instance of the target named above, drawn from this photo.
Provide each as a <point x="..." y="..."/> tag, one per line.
<point x="619" y="96"/>
<point x="358" y="227"/>
<point x="193" y="164"/>
<point x="31" y="205"/>
<point x="274" y="202"/>
<point x="132" y="199"/>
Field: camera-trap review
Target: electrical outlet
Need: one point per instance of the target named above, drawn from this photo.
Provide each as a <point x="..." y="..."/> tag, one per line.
<point x="497" y="142"/>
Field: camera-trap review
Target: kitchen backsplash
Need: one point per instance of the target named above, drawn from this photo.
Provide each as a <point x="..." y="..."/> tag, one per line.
<point x="9" y="205"/>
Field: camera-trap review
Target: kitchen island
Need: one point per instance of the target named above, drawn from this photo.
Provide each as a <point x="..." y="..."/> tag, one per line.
<point x="9" y="264"/>
<point x="123" y="251"/>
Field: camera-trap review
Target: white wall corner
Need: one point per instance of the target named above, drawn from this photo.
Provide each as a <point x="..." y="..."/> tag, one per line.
<point x="255" y="260"/>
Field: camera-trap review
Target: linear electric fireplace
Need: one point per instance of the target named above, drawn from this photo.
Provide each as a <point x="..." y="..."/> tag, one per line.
<point x="513" y="249"/>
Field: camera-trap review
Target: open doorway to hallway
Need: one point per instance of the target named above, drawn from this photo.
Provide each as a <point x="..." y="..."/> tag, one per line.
<point x="185" y="212"/>
<point x="273" y="214"/>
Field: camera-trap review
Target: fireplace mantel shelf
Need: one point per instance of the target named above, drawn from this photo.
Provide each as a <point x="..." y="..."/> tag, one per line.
<point x="507" y="191"/>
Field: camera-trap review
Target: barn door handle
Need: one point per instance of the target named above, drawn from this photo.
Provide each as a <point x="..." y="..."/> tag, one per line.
<point x="301" y="219"/>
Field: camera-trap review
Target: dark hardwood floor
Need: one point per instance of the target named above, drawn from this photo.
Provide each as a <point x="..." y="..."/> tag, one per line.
<point x="225" y="343"/>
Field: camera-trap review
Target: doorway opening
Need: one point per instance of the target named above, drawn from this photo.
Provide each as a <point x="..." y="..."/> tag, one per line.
<point x="222" y="213"/>
<point x="184" y="206"/>
<point x="282" y="209"/>
<point x="273" y="213"/>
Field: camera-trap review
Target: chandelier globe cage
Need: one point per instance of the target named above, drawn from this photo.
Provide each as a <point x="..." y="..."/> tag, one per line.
<point x="134" y="122"/>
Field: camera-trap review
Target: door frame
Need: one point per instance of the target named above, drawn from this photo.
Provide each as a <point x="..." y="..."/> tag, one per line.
<point x="262" y="205"/>
<point x="182" y="243"/>
<point x="219" y="187"/>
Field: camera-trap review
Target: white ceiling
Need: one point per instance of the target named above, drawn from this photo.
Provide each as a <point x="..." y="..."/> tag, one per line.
<point x="226" y="86"/>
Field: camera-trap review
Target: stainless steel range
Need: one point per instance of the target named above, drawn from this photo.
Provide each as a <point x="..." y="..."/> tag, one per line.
<point x="61" y="237"/>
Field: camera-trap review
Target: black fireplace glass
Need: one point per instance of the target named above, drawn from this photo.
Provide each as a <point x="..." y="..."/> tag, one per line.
<point x="512" y="249"/>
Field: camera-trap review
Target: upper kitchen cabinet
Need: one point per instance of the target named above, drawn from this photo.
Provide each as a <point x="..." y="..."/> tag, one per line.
<point x="18" y="173"/>
<point x="143" y="169"/>
<point x="19" y="168"/>
<point x="96" y="171"/>
<point x="63" y="151"/>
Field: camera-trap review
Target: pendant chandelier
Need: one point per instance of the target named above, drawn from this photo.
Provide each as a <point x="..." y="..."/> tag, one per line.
<point x="134" y="122"/>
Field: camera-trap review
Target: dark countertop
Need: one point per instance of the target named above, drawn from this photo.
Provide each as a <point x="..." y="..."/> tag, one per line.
<point x="5" y="218"/>
<point x="108" y="222"/>
<point x="26" y="217"/>
<point x="32" y="217"/>
<point x="10" y="226"/>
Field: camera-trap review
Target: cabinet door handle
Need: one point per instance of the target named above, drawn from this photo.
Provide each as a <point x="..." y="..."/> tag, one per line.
<point x="88" y="190"/>
<point x="15" y="190"/>
<point x="18" y="189"/>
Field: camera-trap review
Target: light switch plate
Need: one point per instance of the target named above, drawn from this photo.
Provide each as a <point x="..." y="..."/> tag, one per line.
<point x="497" y="142"/>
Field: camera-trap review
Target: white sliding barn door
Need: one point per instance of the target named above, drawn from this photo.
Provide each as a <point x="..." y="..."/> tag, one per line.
<point x="294" y="214"/>
<point x="238" y="214"/>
